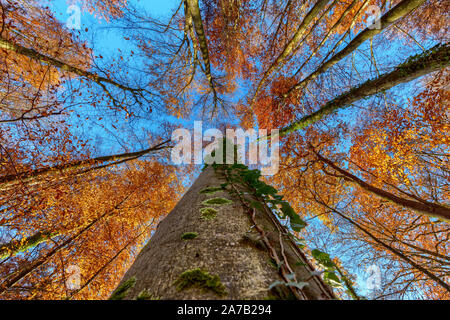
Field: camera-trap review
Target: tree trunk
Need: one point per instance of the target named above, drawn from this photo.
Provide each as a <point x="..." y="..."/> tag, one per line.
<point x="392" y="16"/>
<point x="192" y="8"/>
<point x="432" y="60"/>
<point x="222" y="252"/>
<point x="423" y="206"/>
<point x="32" y="177"/>
<point x="9" y="45"/>
<point x="16" y="246"/>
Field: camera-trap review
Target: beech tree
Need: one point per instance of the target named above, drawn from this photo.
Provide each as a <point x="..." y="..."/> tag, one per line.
<point x="88" y="192"/>
<point x="227" y="243"/>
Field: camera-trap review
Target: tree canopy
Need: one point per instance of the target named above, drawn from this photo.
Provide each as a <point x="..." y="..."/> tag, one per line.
<point x="357" y="89"/>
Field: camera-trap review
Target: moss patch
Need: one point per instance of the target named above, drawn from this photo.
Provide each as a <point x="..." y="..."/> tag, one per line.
<point x="210" y="190"/>
<point x="145" y="295"/>
<point x="216" y="202"/>
<point x="189" y="235"/>
<point x="17" y="246"/>
<point x="208" y="213"/>
<point x="201" y="279"/>
<point x="121" y="292"/>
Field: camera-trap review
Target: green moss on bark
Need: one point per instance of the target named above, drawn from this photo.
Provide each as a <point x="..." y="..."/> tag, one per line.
<point x="145" y="295"/>
<point x="189" y="235"/>
<point x="216" y="202"/>
<point x="121" y="292"/>
<point x="211" y="190"/>
<point x="201" y="279"/>
<point x="208" y="213"/>
<point x="17" y="246"/>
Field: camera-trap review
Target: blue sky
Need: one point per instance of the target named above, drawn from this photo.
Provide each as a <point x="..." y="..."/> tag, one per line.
<point x="107" y="39"/>
<point x="156" y="7"/>
<point x="106" y="42"/>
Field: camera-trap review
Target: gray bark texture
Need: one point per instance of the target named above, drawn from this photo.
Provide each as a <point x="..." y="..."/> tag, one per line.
<point x="228" y="246"/>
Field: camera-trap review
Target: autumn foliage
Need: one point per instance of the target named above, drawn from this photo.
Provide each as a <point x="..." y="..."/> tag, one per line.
<point x="368" y="166"/>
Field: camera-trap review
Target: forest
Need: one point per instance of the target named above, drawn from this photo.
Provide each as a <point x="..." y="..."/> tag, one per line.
<point x="348" y="99"/>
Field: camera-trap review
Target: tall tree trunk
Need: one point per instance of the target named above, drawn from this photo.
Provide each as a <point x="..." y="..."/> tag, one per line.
<point x="16" y="246"/>
<point x="193" y="9"/>
<point x="32" y="177"/>
<point x="228" y="251"/>
<point x="423" y="206"/>
<point x="9" y="45"/>
<point x="432" y="60"/>
<point x="399" y="11"/>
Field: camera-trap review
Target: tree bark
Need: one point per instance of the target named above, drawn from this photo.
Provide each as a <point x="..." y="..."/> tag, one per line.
<point x="228" y="246"/>
<point x="193" y="9"/>
<point x="331" y="31"/>
<point x="16" y="246"/>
